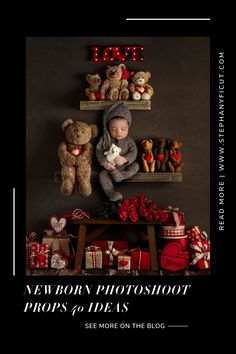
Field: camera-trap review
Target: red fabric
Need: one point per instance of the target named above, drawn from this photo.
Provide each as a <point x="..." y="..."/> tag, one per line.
<point x="38" y="255"/>
<point x="172" y="231"/>
<point x="172" y="257"/>
<point x="181" y="240"/>
<point x="140" y="259"/>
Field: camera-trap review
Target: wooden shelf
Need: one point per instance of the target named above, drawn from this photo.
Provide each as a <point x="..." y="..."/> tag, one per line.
<point x="100" y="105"/>
<point x="140" y="177"/>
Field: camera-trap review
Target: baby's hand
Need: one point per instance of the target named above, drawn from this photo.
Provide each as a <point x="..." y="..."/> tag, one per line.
<point x="108" y="166"/>
<point x="120" y="160"/>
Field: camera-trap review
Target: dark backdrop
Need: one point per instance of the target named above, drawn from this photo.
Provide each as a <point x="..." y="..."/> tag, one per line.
<point x="180" y="68"/>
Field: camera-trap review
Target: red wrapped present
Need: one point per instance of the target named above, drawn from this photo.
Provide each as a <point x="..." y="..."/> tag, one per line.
<point x="123" y="262"/>
<point x="181" y="240"/>
<point x="175" y="217"/>
<point x="110" y="250"/>
<point x="200" y="254"/>
<point x="93" y="257"/>
<point x="172" y="257"/>
<point x="196" y="234"/>
<point x="39" y="255"/>
<point x="140" y="259"/>
<point x="29" y="239"/>
<point x="172" y="231"/>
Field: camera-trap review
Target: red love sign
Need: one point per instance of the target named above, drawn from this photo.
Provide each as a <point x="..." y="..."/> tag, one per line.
<point x="123" y="263"/>
<point x="56" y="224"/>
<point x="176" y="155"/>
<point x="173" y="258"/>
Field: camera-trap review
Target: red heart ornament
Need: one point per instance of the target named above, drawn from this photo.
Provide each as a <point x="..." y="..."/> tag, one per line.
<point x="148" y="157"/>
<point x="123" y="263"/>
<point x="125" y="74"/>
<point x="173" y="258"/>
<point x="176" y="155"/>
<point x="56" y="224"/>
<point x="76" y="151"/>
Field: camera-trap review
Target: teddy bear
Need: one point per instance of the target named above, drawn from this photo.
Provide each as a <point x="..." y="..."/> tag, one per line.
<point x="175" y="163"/>
<point x="112" y="153"/>
<point x="75" y="154"/>
<point x="147" y="155"/>
<point x="139" y="87"/>
<point x="115" y="87"/>
<point x="161" y="154"/>
<point x="93" y="91"/>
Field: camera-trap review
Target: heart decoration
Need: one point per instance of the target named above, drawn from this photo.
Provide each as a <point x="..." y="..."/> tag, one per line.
<point x="58" y="262"/>
<point x="56" y="224"/>
<point x="173" y="258"/>
<point x="148" y="157"/>
<point x="125" y="74"/>
<point x="123" y="263"/>
<point x="76" y="151"/>
<point x="176" y="155"/>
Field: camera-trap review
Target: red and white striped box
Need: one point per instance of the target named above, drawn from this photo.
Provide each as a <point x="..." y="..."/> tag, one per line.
<point x="93" y="257"/>
<point x="38" y="255"/>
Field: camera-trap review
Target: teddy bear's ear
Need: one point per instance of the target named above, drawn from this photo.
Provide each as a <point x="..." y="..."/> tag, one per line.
<point x="88" y="77"/>
<point x="150" y="141"/>
<point x="66" y="124"/>
<point x="143" y="141"/>
<point x="148" y="74"/>
<point x="122" y="66"/>
<point x="94" y="130"/>
<point x="132" y="73"/>
<point x="180" y="143"/>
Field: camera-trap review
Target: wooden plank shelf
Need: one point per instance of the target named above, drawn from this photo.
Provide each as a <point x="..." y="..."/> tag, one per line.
<point x="140" y="177"/>
<point x="100" y="105"/>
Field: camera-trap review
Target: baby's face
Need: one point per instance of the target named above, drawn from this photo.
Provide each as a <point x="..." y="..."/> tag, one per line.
<point x="118" y="128"/>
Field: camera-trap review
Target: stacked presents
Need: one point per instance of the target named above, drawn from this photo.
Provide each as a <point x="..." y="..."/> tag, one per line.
<point x="178" y="249"/>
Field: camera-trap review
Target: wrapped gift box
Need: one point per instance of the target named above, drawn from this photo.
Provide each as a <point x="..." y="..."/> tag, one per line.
<point x="123" y="262"/>
<point x="38" y="255"/>
<point x="175" y="217"/>
<point x="163" y="241"/>
<point x="110" y="250"/>
<point x="172" y="257"/>
<point x="172" y="231"/>
<point x="29" y="240"/>
<point x="58" y="242"/>
<point x="140" y="259"/>
<point x="93" y="257"/>
<point x="199" y="247"/>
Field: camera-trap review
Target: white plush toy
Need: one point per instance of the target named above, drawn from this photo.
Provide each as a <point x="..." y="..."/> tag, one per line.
<point x="112" y="153"/>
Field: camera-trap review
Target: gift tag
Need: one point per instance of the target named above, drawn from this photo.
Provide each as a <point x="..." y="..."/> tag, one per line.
<point x="56" y="224"/>
<point x="173" y="258"/>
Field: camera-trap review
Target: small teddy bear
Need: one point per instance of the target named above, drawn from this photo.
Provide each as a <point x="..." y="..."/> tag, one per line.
<point x="75" y="154"/>
<point x="161" y="154"/>
<point x="147" y="156"/>
<point x="93" y="91"/>
<point x="112" y="153"/>
<point x="139" y="87"/>
<point x="115" y="87"/>
<point x="175" y="163"/>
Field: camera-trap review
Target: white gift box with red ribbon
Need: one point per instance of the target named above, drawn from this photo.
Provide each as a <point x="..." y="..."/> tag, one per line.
<point x="93" y="257"/>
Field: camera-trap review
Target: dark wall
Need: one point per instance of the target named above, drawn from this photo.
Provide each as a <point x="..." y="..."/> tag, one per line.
<point x="56" y="70"/>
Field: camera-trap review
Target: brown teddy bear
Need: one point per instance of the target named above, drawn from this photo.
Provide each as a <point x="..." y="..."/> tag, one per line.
<point x="76" y="156"/>
<point x="115" y="87"/>
<point x="161" y="154"/>
<point x="147" y="156"/>
<point x="93" y="91"/>
<point x="175" y="163"/>
<point x="139" y="87"/>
